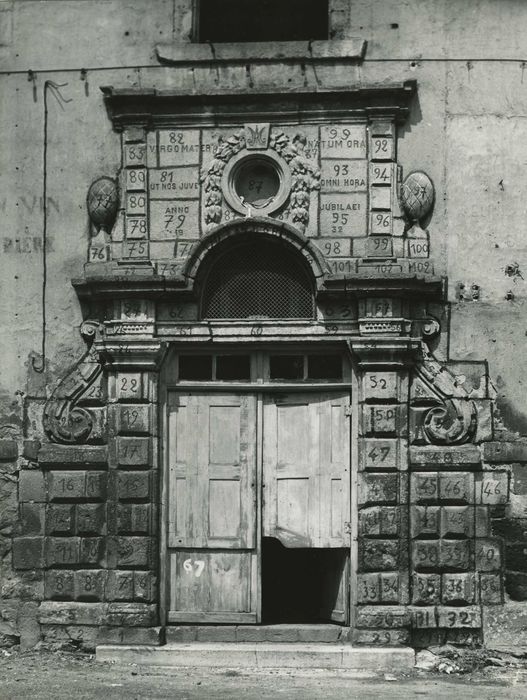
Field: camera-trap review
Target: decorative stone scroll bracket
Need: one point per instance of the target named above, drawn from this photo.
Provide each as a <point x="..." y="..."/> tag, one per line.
<point x="449" y="416"/>
<point x="64" y="421"/>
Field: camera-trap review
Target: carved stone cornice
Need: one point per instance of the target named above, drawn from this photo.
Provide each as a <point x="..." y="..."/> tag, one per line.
<point x="387" y="352"/>
<point x="154" y="108"/>
<point x="131" y="354"/>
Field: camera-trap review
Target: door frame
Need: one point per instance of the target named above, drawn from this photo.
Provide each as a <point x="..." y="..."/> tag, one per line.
<point x="166" y="386"/>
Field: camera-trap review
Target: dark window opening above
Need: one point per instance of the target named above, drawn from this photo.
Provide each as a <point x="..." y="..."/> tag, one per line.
<point x="235" y="21"/>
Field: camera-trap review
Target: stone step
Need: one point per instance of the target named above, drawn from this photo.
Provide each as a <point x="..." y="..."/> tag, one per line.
<point x="325" y="633"/>
<point x="262" y="655"/>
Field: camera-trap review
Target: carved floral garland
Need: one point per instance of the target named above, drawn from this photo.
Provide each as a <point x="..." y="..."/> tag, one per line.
<point x="304" y="176"/>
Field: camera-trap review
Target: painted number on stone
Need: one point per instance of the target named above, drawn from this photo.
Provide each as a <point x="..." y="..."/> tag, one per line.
<point x="194" y="567"/>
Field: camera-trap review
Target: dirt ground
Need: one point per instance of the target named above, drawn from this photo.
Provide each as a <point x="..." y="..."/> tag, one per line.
<point x="68" y="676"/>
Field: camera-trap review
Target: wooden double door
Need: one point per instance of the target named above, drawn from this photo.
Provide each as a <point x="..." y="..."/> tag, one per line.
<point x="246" y="466"/>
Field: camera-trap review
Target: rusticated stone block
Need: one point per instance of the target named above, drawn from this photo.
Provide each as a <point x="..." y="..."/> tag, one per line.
<point x="133" y="552"/>
<point x="492" y="488"/>
<point x="133" y="518"/>
<point x="133" y="452"/>
<point x="91" y="519"/>
<point x="425" y="638"/>
<point x="59" y="519"/>
<point x="8" y="450"/>
<point x="31" y="486"/>
<point x="189" y="634"/>
<point x="488" y="555"/>
<point x="62" y="551"/>
<point x="131" y="386"/>
<point x="457" y="521"/>
<point x="72" y="613"/>
<point x="464" y="637"/>
<point x="32" y="519"/>
<point x="482" y="524"/>
<point x="76" y="486"/>
<point x="58" y="583"/>
<point x="491" y="588"/>
<point x="144" y="586"/>
<point x="379" y="520"/>
<point x="424" y="487"/>
<point x="384" y="420"/>
<point x="378" y="488"/>
<point x="423" y="617"/>
<point x="459" y="588"/>
<point x="456" y="554"/>
<point x="444" y="457"/>
<point x="120" y="585"/>
<point x="28" y="553"/>
<point x="426" y="554"/>
<point x="380" y="385"/>
<point x="426" y="589"/>
<point x="30" y="450"/>
<point x="425" y="520"/>
<point x="456" y="486"/>
<point x="381" y="637"/>
<point x="90" y="584"/>
<point x="92" y="551"/>
<point x="387" y="453"/>
<point x="379" y="588"/>
<point x="379" y="555"/>
<point x="133" y="485"/>
<point x="459" y="617"/>
<point x="133" y="419"/>
<point x="73" y="456"/>
<point x="385" y="617"/>
<point x="132" y="614"/>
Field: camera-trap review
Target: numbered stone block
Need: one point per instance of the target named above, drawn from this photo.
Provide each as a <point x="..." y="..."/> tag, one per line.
<point x="456" y="554"/>
<point x="91" y="519"/>
<point x="343" y="175"/>
<point x="120" y="585"/>
<point x="368" y="588"/>
<point x="131" y="386"/>
<point x="492" y="488"/>
<point x="491" y="589"/>
<point x="376" y="453"/>
<point x="456" y="486"/>
<point x="62" y="551"/>
<point x="96" y="483"/>
<point x="464" y="637"/>
<point x="132" y="614"/>
<point x="482" y="521"/>
<point x="379" y="555"/>
<point x="58" y="585"/>
<point x="377" y="488"/>
<point x="90" y="584"/>
<point x="133" y="486"/>
<point x="133" y="552"/>
<point x="133" y="452"/>
<point x="425" y="520"/>
<point x="426" y="554"/>
<point x="379" y="520"/>
<point x="381" y="637"/>
<point x="488" y="555"/>
<point x="424" y="487"/>
<point x="92" y="551"/>
<point x="386" y="617"/>
<point x="133" y="419"/>
<point x="459" y="588"/>
<point x="426" y="589"/>
<point x="133" y="518"/>
<point x="384" y="420"/>
<point x="66" y="485"/>
<point x="59" y="519"/>
<point x="134" y="155"/>
<point x="444" y="457"/>
<point x="144" y="586"/>
<point x="175" y="220"/>
<point x="390" y="588"/>
<point x="343" y="141"/>
<point x="423" y="618"/>
<point x="174" y="183"/>
<point x="179" y="147"/>
<point x="380" y="385"/>
<point x="457" y="521"/>
<point x="459" y="617"/>
<point x="380" y="307"/>
<point x="379" y="247"/>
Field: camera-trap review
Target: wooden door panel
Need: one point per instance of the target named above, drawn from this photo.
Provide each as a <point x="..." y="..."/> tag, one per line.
<point x="306" y="469"/>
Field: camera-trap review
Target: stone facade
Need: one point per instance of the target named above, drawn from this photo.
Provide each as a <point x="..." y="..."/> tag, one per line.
<point x="372" y="156"/>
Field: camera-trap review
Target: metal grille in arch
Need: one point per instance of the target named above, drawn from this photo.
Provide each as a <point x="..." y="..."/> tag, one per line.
<point x="258" y="279"/>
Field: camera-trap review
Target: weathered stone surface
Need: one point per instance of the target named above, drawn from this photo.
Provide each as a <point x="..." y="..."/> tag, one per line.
<point x="444" y="457"/>
<point x="72" y="455"/>
<point x="31" y="486"/>
<point x="385" y="617"/>
<point x="149" y="636"/>
<point x="67" y="613"/>
<point x="8" y="450"/>
<point x="28" y="552"/>
<point x="459" y="616"/>
<point x="379" y="555"/>
<point x="378" y="488"/>
<point x="505" y="451"/>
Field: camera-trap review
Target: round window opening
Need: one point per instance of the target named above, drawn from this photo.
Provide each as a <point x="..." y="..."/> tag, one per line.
<point x="256" y="184"/>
